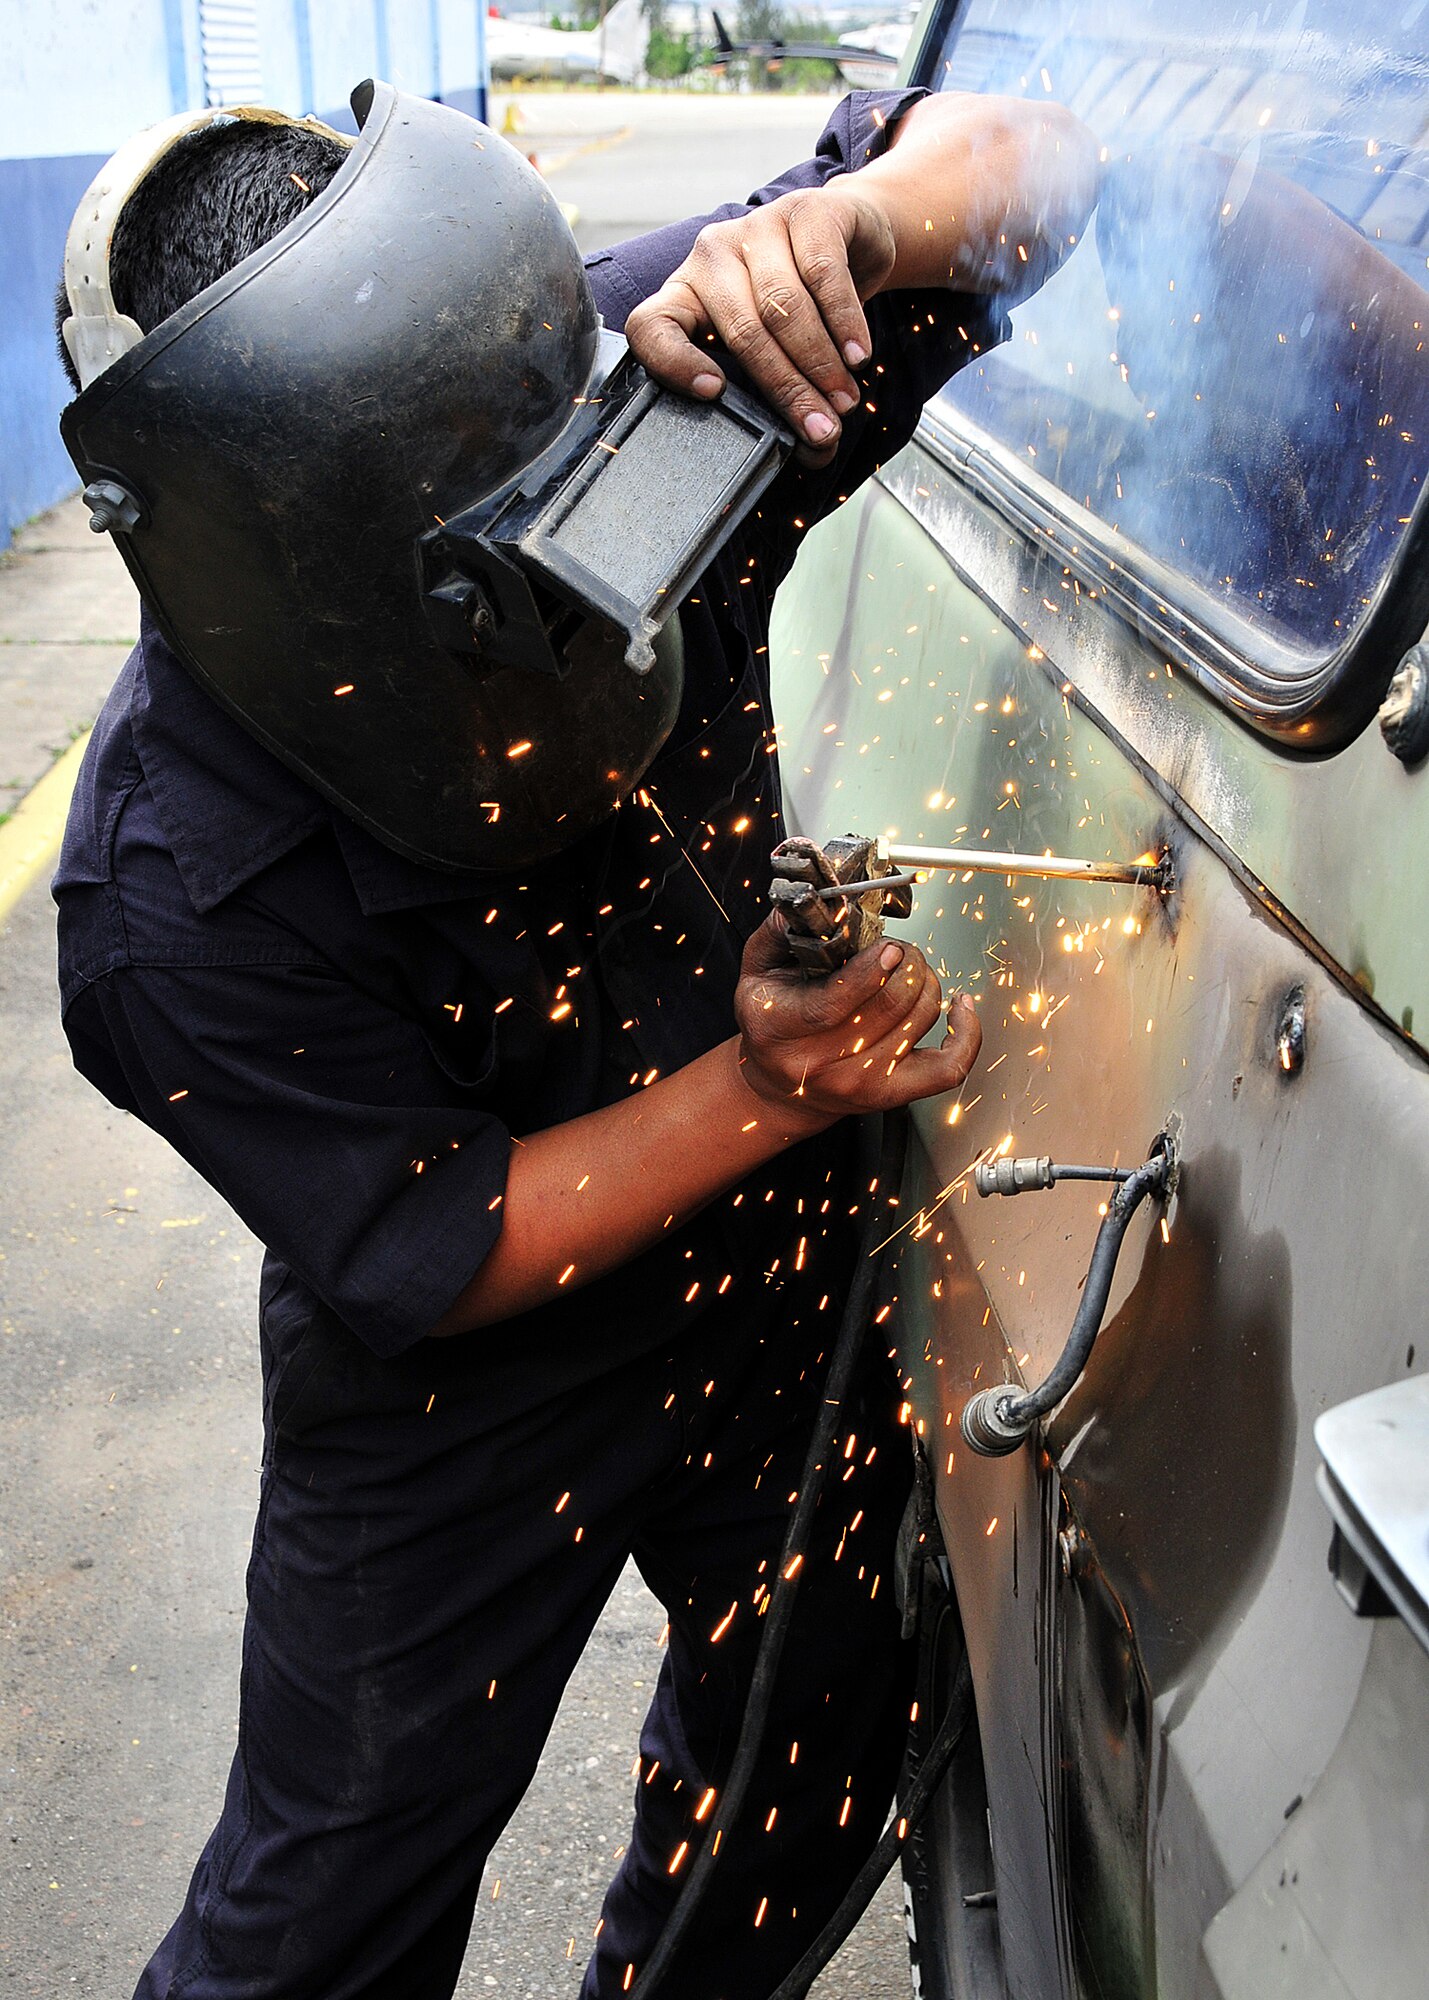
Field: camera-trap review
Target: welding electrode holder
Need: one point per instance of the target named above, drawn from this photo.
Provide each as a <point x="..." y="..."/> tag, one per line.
<point x="834" y="898"/>
<point x="996" y="1421"/>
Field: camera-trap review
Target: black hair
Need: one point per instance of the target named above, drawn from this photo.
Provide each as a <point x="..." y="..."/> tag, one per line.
<point x="212" y="199"/>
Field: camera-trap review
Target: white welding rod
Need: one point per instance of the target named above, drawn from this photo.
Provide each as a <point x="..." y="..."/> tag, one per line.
<point x="987" y="861"/>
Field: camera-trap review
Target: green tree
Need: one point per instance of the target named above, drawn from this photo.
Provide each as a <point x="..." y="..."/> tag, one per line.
<point x="667" y="54"/>
<point x="760" y="21"/>
<point x="810" y="76"/>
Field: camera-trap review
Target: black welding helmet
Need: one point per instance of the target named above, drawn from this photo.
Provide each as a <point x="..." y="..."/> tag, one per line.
<point x="400" y="503"/>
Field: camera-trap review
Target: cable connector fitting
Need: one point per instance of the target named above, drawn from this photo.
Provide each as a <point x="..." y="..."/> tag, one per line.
<point x="1017" y="1176"/>
<point x="1012" y="1176"/>
<point x="988" y="1426"/>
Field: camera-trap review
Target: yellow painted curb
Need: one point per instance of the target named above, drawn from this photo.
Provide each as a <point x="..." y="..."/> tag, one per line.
<point x="30" y="838"/>
<point x="601" y="143"/>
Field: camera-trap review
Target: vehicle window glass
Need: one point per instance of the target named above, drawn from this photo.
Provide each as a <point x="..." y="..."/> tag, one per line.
<point x="1229" y="370"/>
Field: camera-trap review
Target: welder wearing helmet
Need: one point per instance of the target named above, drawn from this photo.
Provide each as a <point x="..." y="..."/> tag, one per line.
<point x="414" y="890"/>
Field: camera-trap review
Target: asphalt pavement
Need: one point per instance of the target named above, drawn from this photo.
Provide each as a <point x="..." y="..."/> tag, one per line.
<point x="129" y="1437"/>
<point x="630" y="163"/>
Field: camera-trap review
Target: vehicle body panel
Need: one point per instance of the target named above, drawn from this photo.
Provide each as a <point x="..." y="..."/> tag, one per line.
<point x="1310" y="1915"/>
<point x="1339" y="845"/>
<point x="1082" y="615"/>
<point x="1162" y="1665"/>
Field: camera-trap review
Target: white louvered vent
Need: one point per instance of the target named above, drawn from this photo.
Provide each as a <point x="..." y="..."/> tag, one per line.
<point x="228" y="37"/>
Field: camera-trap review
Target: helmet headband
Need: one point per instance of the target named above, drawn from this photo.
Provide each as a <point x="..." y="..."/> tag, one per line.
<point x="96" y="332"/>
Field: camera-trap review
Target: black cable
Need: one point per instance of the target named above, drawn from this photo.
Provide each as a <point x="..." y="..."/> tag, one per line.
<point x="1023" y="1411"/>
<point x="869" y="1879"/>
<point x="996" y="1421"/>
<point x="785" y="1588"/>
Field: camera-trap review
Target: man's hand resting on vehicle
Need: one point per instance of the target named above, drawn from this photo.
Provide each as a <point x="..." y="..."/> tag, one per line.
<point x="978" y="194"/>
<point x="585" y="1197"/>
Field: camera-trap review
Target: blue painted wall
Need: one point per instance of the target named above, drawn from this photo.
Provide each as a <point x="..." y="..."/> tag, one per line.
<point x="79" y="77"/>
<point x="37" y="199"/>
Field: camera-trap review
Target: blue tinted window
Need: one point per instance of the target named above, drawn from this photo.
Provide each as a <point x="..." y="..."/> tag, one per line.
<point x="1229" y="370"/>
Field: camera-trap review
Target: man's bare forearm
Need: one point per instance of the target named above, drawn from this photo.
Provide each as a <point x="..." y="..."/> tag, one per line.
<point x="986" y="194"/>
<point x="585" y="1197"/>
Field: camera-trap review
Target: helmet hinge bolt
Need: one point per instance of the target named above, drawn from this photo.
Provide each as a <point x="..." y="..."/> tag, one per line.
<point x="111" y="509"/>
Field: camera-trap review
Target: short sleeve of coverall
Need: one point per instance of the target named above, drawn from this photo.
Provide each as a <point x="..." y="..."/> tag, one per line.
<point x="325" y="1116"/>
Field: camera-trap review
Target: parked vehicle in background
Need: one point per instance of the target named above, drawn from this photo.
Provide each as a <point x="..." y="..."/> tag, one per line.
<point x="1140" y="586"/>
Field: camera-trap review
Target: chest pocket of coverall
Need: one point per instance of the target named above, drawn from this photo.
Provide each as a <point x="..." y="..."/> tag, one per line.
<point x="485" y="996"/>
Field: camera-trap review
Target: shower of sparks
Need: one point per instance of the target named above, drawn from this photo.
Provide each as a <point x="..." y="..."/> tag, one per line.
<point x="647" y="798"/>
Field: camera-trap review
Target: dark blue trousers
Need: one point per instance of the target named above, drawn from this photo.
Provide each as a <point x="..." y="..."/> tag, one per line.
<point x="430" y="1556"/>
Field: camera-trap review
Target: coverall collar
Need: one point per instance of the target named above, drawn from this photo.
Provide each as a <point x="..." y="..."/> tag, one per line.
<point x="229" y="809"/>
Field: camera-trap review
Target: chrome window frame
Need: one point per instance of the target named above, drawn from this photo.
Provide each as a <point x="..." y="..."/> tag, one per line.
<point x="1312" y="704"/>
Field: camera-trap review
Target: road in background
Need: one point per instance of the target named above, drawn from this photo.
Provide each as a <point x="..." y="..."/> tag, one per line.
<point x="630" y="163"/>
<point x="129" y="1436"/>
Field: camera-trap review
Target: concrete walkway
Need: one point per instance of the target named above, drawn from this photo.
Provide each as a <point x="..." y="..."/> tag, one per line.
<point x="68" y="616"/>
<point x="629" y="161"/>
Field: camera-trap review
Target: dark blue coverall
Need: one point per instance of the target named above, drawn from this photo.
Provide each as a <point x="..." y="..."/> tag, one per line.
<point x="346" y="1045"/>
